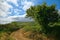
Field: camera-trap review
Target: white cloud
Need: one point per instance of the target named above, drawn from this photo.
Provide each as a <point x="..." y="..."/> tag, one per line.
<point x="13" y="1"/>
<point x="23" y="19"/>
<point x="17" y="11"/>
<point x="2" y="14"/>
<point x="59" y="12"/>
<point x="23" y="15"/>
<point x="4" y="7"/>
<point x="27" y="4"/>
<point x="6" y="20"/>
<point x="14" y="19"/>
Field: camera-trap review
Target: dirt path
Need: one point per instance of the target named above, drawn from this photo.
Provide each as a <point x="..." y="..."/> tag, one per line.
<point x="19" y="35"/>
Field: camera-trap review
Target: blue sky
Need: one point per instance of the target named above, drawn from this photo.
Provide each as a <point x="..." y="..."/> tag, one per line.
<point x="35" y="2"/>
<point x="49" y="2"/>
<point x="11" y="9"/>
<point x="17" y="7"/>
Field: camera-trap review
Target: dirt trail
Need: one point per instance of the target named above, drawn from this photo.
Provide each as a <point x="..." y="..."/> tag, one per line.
<point x="19" y="35"/>
<point x="23" y="35"/>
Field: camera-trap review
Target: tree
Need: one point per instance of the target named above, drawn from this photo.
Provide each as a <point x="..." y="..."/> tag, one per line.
<point x="44" y="15"/>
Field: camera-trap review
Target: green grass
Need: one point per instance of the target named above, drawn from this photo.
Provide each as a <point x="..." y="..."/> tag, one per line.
<point x="28" y="26"/>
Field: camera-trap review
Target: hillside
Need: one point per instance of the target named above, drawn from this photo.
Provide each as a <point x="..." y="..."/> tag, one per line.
<point x="8" y="31"/>
<point x="23" y="31"/>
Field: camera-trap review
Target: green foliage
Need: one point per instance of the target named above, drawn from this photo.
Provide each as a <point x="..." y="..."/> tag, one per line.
<point x="10" y="27"/>
<point x="7" y="29"/>
<point x="32" y="27"/>
<point x="28" y="26"/>
<point x="46" y="16"/>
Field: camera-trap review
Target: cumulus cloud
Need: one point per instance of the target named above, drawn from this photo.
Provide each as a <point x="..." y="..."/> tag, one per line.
<point x="17" y="9"/>
<point x="4" y="9"/>
<point x="27" y="4"/>
<point x="13" y="1"/>
<point x="6" y="20"/>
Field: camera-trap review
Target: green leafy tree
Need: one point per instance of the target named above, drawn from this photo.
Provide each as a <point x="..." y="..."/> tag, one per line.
<point x="44" y="15"/>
